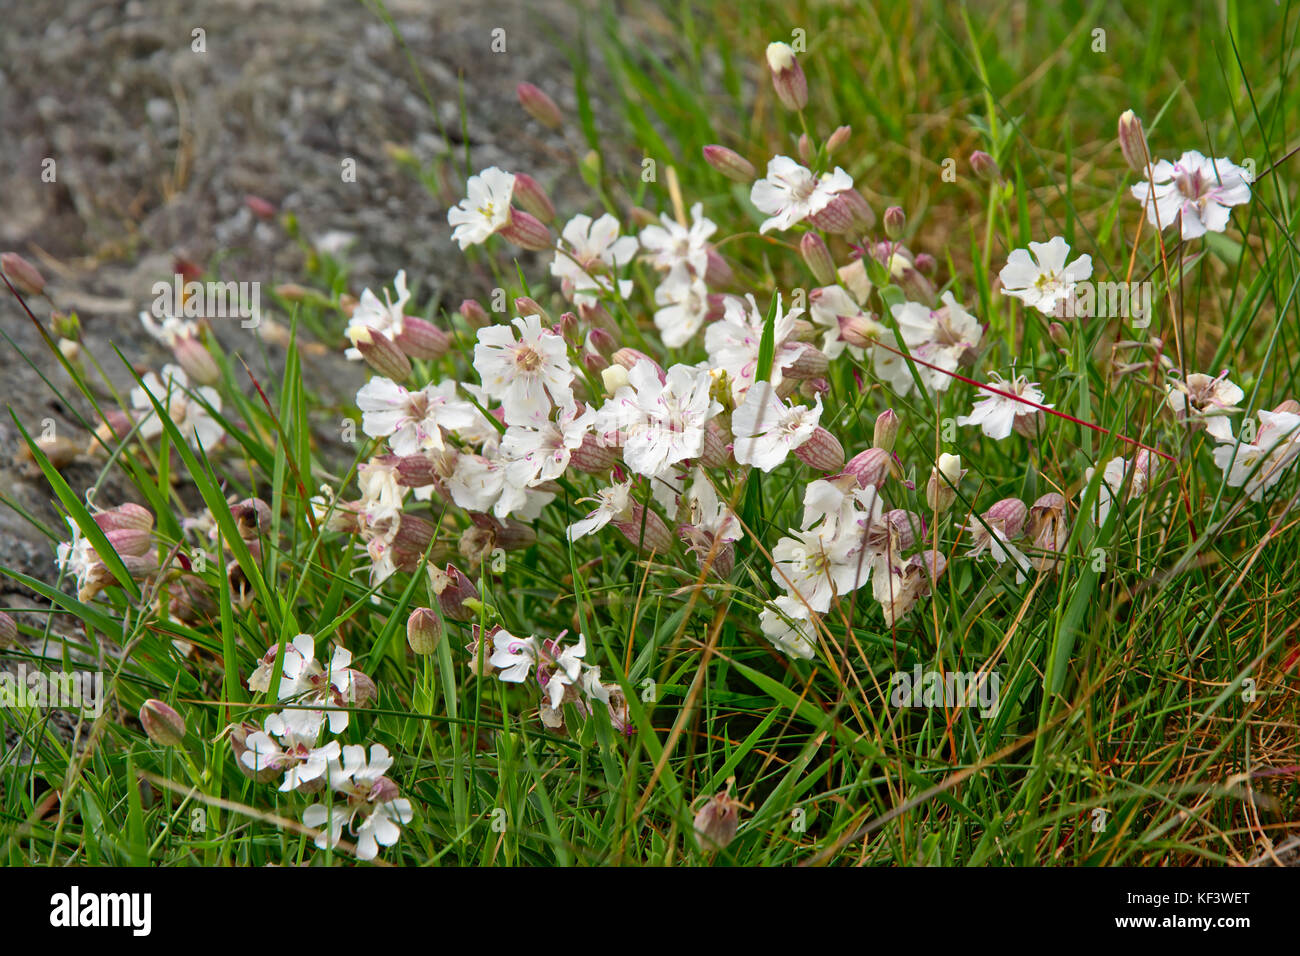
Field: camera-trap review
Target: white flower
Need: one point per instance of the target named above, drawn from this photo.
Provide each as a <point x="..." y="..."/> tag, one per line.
<point x="791" y="193"/>
<point x="683" y="301"/>
<point x="485" y="210"/>
<point x="540" y="451"/>
<point x="707" y="513"/>
<point x="673" y="247"/>
<point x="567" y="668"/>
<point x="381" y="495"/>
<point x="380" y="827"/>
<point x="1259" y="466"/>
<point x="76" y="557"/>
<point x="1044" y="281"/>
<point x="370" y="798"/>
<point x="412" y="422"/>
<point x="825" y="306"/>
<point x="1118" y="473"/>
<point x="513" y="656"/>
<point x="767" y="429"/>
<point x="996" y="414"/>
<point x="1198" y="189"/>
<point x="185" y="411"/>
<point x="817" y="565"/>
<point x="940" y="337"/>
<point x="1208" y="400"/>
<point x="476" y="482"/>
<point x="612" y="504"/>
<point x="663" y="421"/>
<point x="171" y="330"/>
<point x="386" y="318"/>
<point x="787" y="623"/>
<point x="528" y="374"/>
<point x="588" y="253"/>
<point x="733" y="343"/>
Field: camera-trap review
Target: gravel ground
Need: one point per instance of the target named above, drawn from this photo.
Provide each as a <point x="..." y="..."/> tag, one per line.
<point x="156" y="145"/>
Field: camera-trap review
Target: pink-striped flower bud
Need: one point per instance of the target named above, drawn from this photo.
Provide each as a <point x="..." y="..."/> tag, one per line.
<point x="730" y="163"/>
<point x="716" y="452"/>
<point x="895" y="222"/>
<point x="811" y="363"/>
<point x="925" y="264"/>
<point x="596" y="316"/>
<point x="594" y="362"/>
<point x="822" y="451"/>
<point x="818" y="258"/>
<point x="197" y="362"/>
<point x="8" y="630"/>
<point x="453" y="590"/>
<point x="1007" y="516"/>
<point x="603" y="342"/>
<point x="124" y="517"/>
<point x="838" y="139"/>
<point x="717" y="821"/>
<point x="870" y="468"/>
<point x="420" y="339"/>
<point x="805" y="147"/>
<point x="130" y="541"/>
<point x="526" y="305"/>
<point x="1133" y="143"/>
<point x="629" y="357"/>
<point x="985" y="166"/>
<point x="539" y="106"/>
<point x="593" y="456"/>
<point x="261" y="208"/>
<point x="885" y="432"/>
<point x="474" y="314"/>
<point x="717" y="272"/>
<point x="423" y="631"/>
<point x="1290" y="407"/>
<point x="532" y="198"/>
<point x="835" y="217"/>
<point x="411" y="541"/>
<point x="24" y="276"/>
<point x="571" y="330"/>
<point x="162" y="723"/>
<point x="380" y="353"/>
<point x="645" y="529"/>
<point x="526" y="231"/>
<point x="787" y="76"/>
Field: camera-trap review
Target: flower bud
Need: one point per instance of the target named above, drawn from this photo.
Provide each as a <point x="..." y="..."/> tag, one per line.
<point x="859" y="330"/>
<point x="818" y="258"/>
<point x="130" y="541"/>
<point x="411" y="541"/>
<point x="8" y="630"/>
<point x="822" y="451"/>
<point x="715" y="454"/>
<point x="835" y="217"/>
<point x="259" y="207"/>
<point x="532" y="198"/>
<point x="985" y="166"/>
<point x="717" y="821"/>
<point x="603" y="341"/>
<point x="539" y="106"/>
<point x="594" y="362"/>
<point x="895" y="222"/>
<point x="164" y="726"/>
<point x="870" y="468"/>
<point x="526" y="231"/>
<point x="1056" y="332"/>
<point x="22" y="274"/>
<point x="805" y="149"/>
<point x="643" y="217"/>
<point x="629" y="357"/>
<point x="614" y="378"/>
<point x="380" y="353"/>
<point x="787" y="76"/>
<point x="475" y="314"/>
<point x="115" y="426"/>
<point x="420" y="339"/>
<point x="1133" y="143"/>
<point x="654" y="536"/>
<point x="940" y="490"/>
<point x="811" y="363"/>
<point x="838" y="139"/>
<point x="454" y="591"/>
<point x="717" y="272"/>
<point x="1290" y="406"/>
<point x="886" y="430"/>
<point x="1007" y="516"/>
<point x="65" y="325"/>
<point x="925" y="264"/>
<point x="423" y="630"/>
<point x="730" y="163"/>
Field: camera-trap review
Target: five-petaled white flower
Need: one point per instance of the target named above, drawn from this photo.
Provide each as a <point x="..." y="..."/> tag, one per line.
<point x="386" y="318"/>
<point x="513" y="656"/>
<point x="612" y="504"/>
<point x="528" y="374"/>
<point x="589" y="253"/>
<point x="182" y="404"/>
<point x="790" y="193"/>
<point x="412" y="422"/>
<point x="677" y="248"/>
<point x="664" y="422"/>
<point x="486" y="208"/>
<point x="1206" y="399"/>
<point x="1196" y="189"/>
<point x="1044" y="280"/>
<point x="767" y="429"/>
<point x="996" y="414"/>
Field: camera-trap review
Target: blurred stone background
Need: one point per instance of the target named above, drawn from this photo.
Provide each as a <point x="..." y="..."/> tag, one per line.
<point x="156" y="146"/>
